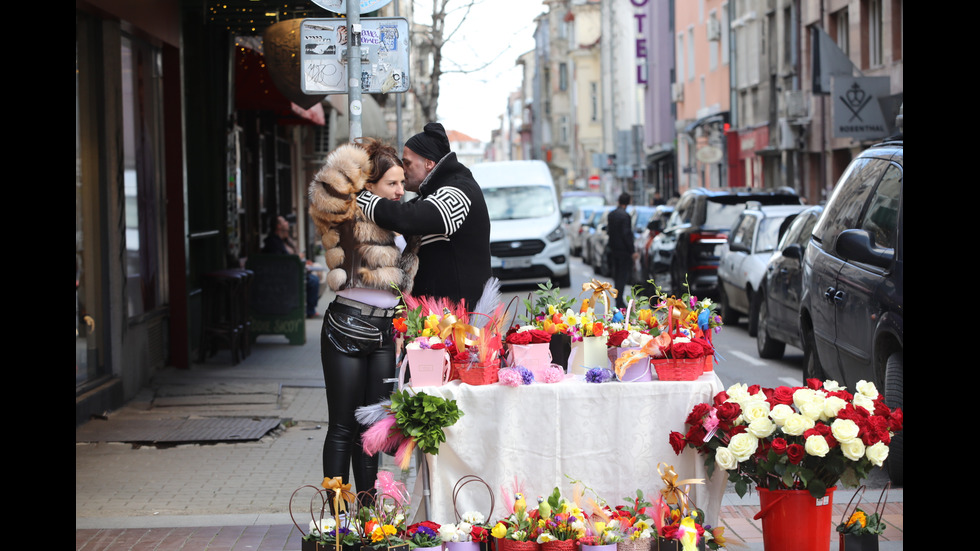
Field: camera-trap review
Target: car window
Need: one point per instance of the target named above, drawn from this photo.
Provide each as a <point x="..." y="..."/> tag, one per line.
<point x="881" y="220"/>
<point x="514" y="203"/>
<point x="849" y="197"/>
<point x="768" y="234"/>
<point x="683" y="213"/>
<point x="722" y="216"/>
<point x="742" y="234"/>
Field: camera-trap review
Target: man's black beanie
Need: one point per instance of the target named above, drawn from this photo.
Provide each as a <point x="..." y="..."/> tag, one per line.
<point x="432" y="143"/>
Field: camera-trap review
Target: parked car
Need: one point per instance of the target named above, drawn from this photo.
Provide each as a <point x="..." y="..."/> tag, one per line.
<point x="527" y="236"/>
<point x="577" y="228"/>
<point x="851" y="312"/>
<point x="576" y="198"/>
<point x="779" y="294"/>
<point x="596" y="231"/>
<point x="644" y="241"/>
<point x="690" y="246"/>
<point x="743" y="259"/>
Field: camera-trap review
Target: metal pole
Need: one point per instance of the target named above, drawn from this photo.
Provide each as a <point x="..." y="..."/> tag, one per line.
<point x="354" y="105"/>
<point x="398" y="106"/>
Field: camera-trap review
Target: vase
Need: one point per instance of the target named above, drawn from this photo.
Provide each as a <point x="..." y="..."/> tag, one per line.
<point x="639" y="372"/>
<point x="559" y="545"/>
<point x="535" y="357"/>
<point x="433" y="548"/>
<point x="606" y="547"/>
<point x="794" y="519"/>
<point x="586" y="354"/>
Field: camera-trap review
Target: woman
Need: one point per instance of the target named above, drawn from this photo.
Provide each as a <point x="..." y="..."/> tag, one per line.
<point x="357" y="345"/>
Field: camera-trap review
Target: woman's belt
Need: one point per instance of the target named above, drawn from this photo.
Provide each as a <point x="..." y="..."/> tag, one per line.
<point x="352" y="306"/>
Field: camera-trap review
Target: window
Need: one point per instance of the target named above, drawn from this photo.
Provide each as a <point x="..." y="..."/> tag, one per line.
<point x="874" y="33"/>
<point x="563" y="76"/>
<point x="712" y="48"/>
<point x="690" y="53"/>
<point x="743" y="232"/>
<point x="854" y="187"/>
<point x="725" y="27"/>
<point x="680" y="57"/>
<point x="841" y="23"/>
<point x="594" y="100"/>
<point x="518" y="202"/>
<point x="142" y="175"/>
<point x="881" y="220"/>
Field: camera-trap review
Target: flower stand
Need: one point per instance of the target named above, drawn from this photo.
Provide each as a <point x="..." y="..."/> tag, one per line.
<point x="794" y="519"/>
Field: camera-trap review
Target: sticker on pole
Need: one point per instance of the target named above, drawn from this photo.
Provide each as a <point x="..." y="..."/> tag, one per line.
<point x="383" y="51"/>
<point x="340" y="6"/>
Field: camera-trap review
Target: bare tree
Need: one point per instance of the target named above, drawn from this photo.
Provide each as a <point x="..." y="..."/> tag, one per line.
<point x="432" y="41"/>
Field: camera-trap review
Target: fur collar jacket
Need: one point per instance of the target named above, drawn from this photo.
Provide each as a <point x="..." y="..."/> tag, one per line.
<point x="358" y="253"/>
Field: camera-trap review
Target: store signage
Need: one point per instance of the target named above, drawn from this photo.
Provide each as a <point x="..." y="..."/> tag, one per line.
<point x="641" y="41"/>
<point x="856" y="110"/>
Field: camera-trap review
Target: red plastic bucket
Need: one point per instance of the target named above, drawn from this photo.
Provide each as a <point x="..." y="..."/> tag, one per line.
<point x="794" y="519"/>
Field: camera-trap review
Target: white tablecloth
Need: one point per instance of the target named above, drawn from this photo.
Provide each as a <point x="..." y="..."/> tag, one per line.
<point x="611" y="436"/>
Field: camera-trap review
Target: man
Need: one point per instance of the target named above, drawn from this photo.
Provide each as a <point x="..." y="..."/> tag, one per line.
<point x="620" y="245"/>
<point x="279" y="242"/>
<point x="449" y="214"/>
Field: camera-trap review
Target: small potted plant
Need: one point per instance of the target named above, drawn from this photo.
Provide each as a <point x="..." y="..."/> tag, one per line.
<point x="424" y="535"/>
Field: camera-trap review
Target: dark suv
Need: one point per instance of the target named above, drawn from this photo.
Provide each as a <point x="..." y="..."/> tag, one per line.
<point x="695" y="235"/>
<point x="852" y="305"/>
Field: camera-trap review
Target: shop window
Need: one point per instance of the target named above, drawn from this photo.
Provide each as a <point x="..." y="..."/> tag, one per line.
<point x="142" y="176"/>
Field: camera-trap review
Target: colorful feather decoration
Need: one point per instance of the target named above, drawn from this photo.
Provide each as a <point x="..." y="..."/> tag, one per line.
<point x="403" y="457"/>
<point x="382" y="436"/>
<point x="487" y="304"/>
<point x="369" y="415"/>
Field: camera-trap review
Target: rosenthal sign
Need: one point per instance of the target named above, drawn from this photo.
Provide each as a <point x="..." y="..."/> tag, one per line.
<point x="857" y="113"/>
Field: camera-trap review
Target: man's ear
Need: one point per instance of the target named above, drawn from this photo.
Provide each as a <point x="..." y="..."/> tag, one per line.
<point x="429" y="165"/>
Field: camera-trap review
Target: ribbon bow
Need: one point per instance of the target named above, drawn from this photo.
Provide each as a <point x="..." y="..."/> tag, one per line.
<point x="671" y="492"/>
<point x="600" y="290"/>
<point x="451" y="325"/>
<point x="341" y="495"/>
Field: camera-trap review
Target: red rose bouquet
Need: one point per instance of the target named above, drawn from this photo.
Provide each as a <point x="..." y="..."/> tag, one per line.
<point x="809" y="437"/>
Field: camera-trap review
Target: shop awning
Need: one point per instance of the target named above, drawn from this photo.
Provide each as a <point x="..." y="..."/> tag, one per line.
<point x="710" y="119"/>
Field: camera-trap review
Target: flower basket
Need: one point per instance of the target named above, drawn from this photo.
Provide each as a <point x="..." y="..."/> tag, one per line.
<point x="794" y="519"/>
<point x="679" y="369"/>
<point x="639" y="544"/>
<point x="636" y="373"/>
<point x="475" y="374"/>
<point x="504" y="544"/>
<point x="866" y="537"/>
<point x="559" y="545"/>
<point x="428" y="366"/>
<point x="536" y="357"/>
<point x="674" y="545"/>
<point x="606" y="547"/>
<point x="588" y="353"/>
<point x="561" y="347"/>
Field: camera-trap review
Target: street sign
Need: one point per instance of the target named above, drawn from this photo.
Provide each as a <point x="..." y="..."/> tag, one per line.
<point x="340" y="6"/>
<point x="383" y="48"/>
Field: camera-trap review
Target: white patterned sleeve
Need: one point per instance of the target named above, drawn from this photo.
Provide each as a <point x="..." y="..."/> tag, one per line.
<point x="453" y="206"/>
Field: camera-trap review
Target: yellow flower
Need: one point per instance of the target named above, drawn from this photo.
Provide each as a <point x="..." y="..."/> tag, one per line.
<point x="551" y="309"/>
<point x="380" y="532"/>
<point x="858" y="517"/>
<point x="499" y="531"/>
<point x="718" y="533"/>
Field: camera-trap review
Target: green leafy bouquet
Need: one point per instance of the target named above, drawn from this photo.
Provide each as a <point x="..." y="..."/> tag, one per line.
<point x="410" y="420"/>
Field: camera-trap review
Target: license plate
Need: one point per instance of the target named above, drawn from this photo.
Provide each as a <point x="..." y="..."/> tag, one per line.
<point x="518" y="262"/>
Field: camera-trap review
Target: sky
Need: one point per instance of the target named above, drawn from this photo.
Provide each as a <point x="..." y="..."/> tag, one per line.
<point x="495" y="30"/>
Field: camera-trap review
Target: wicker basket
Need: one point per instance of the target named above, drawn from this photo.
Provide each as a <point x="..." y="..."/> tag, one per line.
<point x="473" y="374"/>
<point x="511" y="545"/>
<point x="681" y="369"/>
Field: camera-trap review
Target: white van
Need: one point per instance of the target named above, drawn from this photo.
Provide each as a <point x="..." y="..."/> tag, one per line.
<point x="527" y="240"/>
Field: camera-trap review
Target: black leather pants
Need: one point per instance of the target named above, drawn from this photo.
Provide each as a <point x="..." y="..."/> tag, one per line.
<point x="354" y="369"/>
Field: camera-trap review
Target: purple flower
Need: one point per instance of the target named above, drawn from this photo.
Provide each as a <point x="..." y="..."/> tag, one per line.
<point x="597" y="375"/>
<point x="527" y="377"/>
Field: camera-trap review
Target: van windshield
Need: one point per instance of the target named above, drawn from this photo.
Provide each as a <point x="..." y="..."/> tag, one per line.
<point x="514" y="203"/>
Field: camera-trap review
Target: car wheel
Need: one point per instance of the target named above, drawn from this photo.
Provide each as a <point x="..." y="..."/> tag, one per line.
<point x="894" y="368"/>
<point x="811" y="362"/>
<point x="753" y="325"/>
<point x="768" y="347"/>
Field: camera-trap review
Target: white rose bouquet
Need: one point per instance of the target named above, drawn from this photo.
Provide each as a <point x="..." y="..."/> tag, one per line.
<point x="809" y="437"/>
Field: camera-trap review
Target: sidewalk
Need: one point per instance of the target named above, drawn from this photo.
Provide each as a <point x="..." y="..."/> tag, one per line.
<point x="235" y="496"/>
